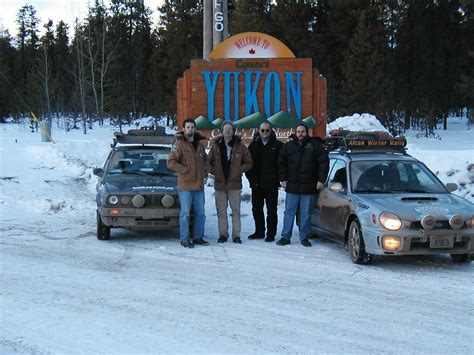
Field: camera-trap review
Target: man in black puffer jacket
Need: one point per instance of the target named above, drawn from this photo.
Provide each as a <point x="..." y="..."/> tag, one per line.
<point x="264" y="181"/>
<point x="303" y="167"/>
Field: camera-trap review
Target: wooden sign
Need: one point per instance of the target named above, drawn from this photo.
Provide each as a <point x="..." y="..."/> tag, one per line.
<point x="248" y="91"/>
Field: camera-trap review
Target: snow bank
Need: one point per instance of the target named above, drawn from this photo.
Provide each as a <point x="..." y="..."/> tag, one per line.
<point x="357" y="122"/>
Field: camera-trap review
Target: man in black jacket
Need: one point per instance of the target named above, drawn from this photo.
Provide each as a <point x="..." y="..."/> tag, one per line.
<point x="263" y="179"/>
<point x="303" y="167"/>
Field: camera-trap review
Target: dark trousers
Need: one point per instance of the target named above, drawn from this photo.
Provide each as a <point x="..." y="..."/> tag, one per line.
<point x="270" y="198"/>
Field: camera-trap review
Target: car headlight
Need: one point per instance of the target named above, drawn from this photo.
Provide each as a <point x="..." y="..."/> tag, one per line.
<point x="113" y="200"/>
<point x="391" y="243"/>
<point x="125" y="200"/>
<point x="390" y="221"/>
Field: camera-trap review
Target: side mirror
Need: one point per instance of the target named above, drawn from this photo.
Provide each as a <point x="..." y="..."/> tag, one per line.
<point x="336" y="187"/>
<point x="98" y="172"/>
<point x="452" y="186"/>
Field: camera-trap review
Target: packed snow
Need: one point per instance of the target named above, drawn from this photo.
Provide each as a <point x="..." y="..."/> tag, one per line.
<point x="64" y="291"/>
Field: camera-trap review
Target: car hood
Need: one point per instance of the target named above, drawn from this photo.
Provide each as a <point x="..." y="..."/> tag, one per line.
<point x="415" y="206"/>
<point x="137" y="184"/>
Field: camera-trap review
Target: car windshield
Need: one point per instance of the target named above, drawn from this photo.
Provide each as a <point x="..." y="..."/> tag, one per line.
<point x="393" y="176"/>
<point x="139" y="162"/>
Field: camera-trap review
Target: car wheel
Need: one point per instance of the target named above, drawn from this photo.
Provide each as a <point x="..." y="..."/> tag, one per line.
<point x="103" y="231"/>
<point x="461" y="258"/>
<point x="356" y="244"/>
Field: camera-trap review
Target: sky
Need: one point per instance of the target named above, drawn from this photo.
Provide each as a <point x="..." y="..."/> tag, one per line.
<point x="66" y="10"/>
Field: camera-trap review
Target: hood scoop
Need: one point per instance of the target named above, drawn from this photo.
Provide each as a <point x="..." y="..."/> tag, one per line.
<point x="420" y="198"/>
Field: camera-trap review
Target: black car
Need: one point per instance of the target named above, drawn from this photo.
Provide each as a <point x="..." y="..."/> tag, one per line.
<point x="136" y="190"/>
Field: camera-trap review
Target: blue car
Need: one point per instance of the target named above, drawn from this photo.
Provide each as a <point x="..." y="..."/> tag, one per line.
<point x="136" y="190"/>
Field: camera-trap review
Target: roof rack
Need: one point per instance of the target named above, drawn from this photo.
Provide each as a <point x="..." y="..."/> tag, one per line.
<point x="143" y="136"/>
<point x="364" y="142"/>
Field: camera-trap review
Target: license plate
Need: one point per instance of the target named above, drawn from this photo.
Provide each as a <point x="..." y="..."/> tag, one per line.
<point x="442" y="241"/>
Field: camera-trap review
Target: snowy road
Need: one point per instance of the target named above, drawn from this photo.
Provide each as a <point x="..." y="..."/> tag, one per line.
<point x="141" y="293"/>
<point x="63" y="291"/>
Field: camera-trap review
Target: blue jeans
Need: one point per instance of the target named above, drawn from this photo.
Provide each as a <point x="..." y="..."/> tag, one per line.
<point x="291" y="207"/>
<point x="196" y="200"/>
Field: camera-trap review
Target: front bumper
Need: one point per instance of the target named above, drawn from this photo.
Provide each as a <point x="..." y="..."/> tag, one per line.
<point x="139" y="217"/>
<point x="419" y="242"/>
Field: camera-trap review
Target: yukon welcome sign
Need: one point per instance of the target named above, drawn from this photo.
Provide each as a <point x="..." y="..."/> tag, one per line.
<point x="251" y="78"/>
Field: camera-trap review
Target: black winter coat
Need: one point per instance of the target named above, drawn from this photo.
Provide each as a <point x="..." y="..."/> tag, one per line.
<point x="264" y="173"/>
<point x="302" y="166"/>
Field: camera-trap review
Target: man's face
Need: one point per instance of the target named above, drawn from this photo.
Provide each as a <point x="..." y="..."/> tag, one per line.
<point x="189" y="129"/>
<point x="264" y="130"/>
<point x="228" y="131"/>
<point x="300" y="133"/>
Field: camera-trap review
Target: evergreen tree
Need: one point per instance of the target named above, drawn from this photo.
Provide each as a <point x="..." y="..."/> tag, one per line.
<point x="7" y="60"/>
<point x="250" y="16"/>
<point x="363" y="66"/>
<point x="177" y="40"/>
<point x="335" y="24"/>
<point x="293" y="23"/>
<point x="27" y="42"/>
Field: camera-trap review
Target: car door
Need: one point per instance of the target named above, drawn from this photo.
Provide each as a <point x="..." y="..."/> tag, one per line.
<point x="334" y="206"/>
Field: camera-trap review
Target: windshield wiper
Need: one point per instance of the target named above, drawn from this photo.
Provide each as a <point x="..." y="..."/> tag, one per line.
<point x="372" y="191"/>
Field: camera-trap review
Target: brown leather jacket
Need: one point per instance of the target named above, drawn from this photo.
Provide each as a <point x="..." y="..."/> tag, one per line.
<point x="240" y="162"/>
<point x="189" y="160"/>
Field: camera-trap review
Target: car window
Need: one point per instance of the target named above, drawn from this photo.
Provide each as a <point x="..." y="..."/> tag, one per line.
<point x="152" y="162"/>
<point x="393" y="176"/>
<point x="338" y="173"/>
<point x="331" y="166"/>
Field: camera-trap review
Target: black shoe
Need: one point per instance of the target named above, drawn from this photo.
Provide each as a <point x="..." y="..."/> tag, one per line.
<point x="187" y="244"/>
<point x="255" y="236"/>
<point x="270" y="239"/>
<point x="284" y="241"/>
<point x="237" y="240"/>
<point x="222" y="239"/>
<point x="306" y="243"/>
<point x="200" y="241"/>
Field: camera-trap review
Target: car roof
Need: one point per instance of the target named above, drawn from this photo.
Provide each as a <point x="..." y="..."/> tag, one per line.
<point x="141" y="147"/>
<point x="371" y="156"/>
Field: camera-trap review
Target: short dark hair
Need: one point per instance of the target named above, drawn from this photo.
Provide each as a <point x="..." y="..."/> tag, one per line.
<point x="227" y="123"/>
<point x="301" y="124"/>
<point x="267" y="123"/>
<point x="189" y="120"/>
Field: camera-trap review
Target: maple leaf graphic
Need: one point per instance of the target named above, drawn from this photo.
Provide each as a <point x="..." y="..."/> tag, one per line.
<point x="252" y="51"/>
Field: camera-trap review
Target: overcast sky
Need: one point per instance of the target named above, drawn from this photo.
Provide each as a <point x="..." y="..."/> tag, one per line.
<point x="66" y="10"/>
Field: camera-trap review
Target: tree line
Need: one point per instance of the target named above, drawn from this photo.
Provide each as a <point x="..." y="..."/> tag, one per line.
<point x="409" y="62"/>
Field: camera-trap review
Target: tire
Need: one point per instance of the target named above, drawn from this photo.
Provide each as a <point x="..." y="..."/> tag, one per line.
<point x="103" y="231"/>
<point x="355" y="241"/>
<point x="461" y="258"/>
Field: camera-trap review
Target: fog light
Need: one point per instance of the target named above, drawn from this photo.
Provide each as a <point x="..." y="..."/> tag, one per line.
<point x="391" y="243"/>
<point x="390" y="221"/>
<point x="167" y="201"/>
<point x="456" y="222"/>
<point x="138" y="201"/>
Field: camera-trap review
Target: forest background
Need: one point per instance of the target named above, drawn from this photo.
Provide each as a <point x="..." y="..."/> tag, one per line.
<point x="408" y="62"/>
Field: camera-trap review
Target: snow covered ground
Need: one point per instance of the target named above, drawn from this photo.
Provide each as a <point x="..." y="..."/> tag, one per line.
<point x="63" y="291"/>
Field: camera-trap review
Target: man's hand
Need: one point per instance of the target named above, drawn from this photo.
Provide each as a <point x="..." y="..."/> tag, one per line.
<point x="319" y="186"/>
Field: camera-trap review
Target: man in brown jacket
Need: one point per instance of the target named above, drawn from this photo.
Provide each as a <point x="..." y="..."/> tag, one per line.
<point x="228" y="159"/>
<point x="189" y="160"/>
